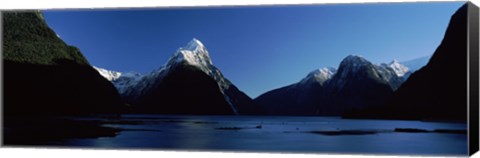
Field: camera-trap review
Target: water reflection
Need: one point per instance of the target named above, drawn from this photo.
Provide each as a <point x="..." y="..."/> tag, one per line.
<point x="285" y="134"/>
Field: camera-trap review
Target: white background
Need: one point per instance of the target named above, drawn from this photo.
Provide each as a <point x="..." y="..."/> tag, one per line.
<point x="84" y="153"/>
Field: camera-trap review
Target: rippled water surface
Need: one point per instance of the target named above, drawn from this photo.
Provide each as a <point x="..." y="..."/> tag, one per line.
<point x="281" y="134"/>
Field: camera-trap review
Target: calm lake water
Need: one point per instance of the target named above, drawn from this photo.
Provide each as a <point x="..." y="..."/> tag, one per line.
<point x="278" y="134"/>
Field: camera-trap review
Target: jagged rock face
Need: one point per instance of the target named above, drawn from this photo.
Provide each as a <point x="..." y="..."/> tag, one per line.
<point x="45" y="76"/>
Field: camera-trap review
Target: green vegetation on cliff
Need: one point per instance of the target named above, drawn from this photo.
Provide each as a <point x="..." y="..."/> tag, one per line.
<point x="28" y="39"/>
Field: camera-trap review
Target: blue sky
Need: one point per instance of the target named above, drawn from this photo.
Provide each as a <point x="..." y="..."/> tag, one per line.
<point x="258" y="48"/>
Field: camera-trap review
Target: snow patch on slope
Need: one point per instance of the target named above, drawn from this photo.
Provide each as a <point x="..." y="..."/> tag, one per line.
<point x="399" y="68"/>
<point x="121" y="81"/>
<point x="319" y="76"/>
<point x="126" y="80"/>
<point x="194" y="54"/>
<point x="108" y="74"/>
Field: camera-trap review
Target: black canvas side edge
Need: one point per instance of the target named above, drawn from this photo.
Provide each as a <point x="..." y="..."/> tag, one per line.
<point x="473" y="53"/>
<point x="2" y="123"/>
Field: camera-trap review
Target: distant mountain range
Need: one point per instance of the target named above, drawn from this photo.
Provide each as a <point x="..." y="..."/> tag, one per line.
<point x="307" y="97"/>
<point x="45" y="76"/>
<point x="357" y="83"/>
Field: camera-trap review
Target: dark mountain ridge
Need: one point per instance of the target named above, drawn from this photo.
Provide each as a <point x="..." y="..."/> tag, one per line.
<point x="432" y="92"/>
<point x="43" y="76"/>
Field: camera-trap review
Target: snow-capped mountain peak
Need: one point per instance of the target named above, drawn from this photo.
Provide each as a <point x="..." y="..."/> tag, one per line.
<point x="399" y="68"/>
<point x="353" y="66"/>
<point x="121" y="81"/>
<point x="194" y="45"/>
<point x="194" y="53"/>
<point x="323" y="74"/>
<point x="108" y="74"/>
<point x="319" y="76"/>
